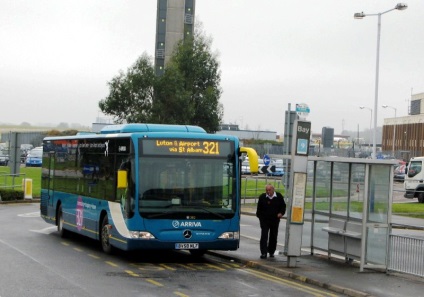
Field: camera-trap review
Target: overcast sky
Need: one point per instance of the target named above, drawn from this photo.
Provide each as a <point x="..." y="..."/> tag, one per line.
<point x="57" y="56"/>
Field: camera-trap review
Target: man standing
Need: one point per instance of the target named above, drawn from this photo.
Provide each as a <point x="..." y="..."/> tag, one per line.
<point x="271" y="207"/>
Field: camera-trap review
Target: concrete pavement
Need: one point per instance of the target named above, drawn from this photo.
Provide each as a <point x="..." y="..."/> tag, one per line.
<point x="333" y="274"/>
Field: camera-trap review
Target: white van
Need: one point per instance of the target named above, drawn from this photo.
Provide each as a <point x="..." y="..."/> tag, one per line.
<point x="414" y="179"/>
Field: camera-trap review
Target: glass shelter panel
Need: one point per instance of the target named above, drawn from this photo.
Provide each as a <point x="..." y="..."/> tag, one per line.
<point x="378" y="213"/>
<point x="379" y="192"/>
<point x="320" y="237"/>
<point x="377" y="239"/>
<point x="323" y="186"/>
<point x="340" y="188"/>
<point x="357" y="185"/>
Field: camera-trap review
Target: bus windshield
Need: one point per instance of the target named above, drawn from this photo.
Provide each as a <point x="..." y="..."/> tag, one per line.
<point x="175" y="187"/>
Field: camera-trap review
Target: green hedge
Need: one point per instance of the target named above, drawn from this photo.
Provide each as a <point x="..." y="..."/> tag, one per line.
<point x="11" y="195"/>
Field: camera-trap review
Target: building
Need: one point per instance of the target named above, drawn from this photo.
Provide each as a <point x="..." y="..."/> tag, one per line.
<point x="231" y="129"/>
<point x="405" y="135"/>
<point x="174" y="21"/>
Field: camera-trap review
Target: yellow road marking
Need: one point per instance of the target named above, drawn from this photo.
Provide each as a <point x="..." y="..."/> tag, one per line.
<point x="181" y="294"/>
<point x="93" y="256"/>
<point x="78" y="249"/>
<point x="154" y="282"/>
<point x="132" y="273"/>
<point x="186" y="266"/>
<point x="111" y="264"/>
<point x="196" y="266"/>
<point x="293" y="284"/>
<point x="167" y="267"/>
<point x="215" y="267"/>
<point x="225" y="266"/>
<point x="150" y="267"/>
<point x="64" y="243"/>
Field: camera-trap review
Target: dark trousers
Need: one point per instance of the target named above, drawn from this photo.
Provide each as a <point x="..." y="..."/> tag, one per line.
<point x="269" y="234"/>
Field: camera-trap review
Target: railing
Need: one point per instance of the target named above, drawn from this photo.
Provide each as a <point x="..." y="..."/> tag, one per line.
<point x="406" y="255"/>
<point x="251" y="194"/>
<point x="4" y="178"/>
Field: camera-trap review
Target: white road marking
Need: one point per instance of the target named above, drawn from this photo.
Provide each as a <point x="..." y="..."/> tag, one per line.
<point x="34" y="214"/>
<point x="47" y="230"/>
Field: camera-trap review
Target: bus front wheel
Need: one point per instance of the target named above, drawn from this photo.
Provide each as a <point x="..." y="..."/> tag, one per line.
<point x="104" y="236"/>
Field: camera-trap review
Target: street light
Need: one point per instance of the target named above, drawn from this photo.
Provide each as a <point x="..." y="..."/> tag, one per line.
<point x="370" y="109"/>
<point x="360" y="15"/>
<point x="394" y="129"/>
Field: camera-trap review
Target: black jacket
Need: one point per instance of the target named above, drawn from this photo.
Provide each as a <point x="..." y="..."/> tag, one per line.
<point x="268" y="209"/>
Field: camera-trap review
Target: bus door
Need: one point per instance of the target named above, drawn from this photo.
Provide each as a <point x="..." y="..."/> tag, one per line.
<point x="50" y="178"/>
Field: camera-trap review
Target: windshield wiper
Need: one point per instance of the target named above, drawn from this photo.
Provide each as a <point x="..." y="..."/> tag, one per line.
<point x="207" y="210"/>
<point x="165" y="213"/>
<point x="161" y="214"/>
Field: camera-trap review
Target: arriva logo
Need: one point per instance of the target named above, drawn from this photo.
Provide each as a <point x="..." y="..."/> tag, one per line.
<point x="177" y="224"/>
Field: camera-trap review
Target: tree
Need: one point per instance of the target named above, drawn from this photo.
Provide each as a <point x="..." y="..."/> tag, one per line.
<point x="188" y="92"/>
<point x="63" y="125"/>
<point x="62" y="133"/>
<point x="201" y="77"/>
<point x="131" y="94"/>
<point x="171" y="104"/>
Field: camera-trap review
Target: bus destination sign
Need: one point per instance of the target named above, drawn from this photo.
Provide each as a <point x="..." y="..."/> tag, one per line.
<point x="186" y="147"/>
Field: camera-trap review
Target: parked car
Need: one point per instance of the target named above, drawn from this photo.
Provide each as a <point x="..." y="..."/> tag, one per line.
<point x="279" y="171"/>
<point x="245" y="167"/>
<point x="4" y="159"/>
<point x="34" y="157"/>
<point x="399" y="174"/>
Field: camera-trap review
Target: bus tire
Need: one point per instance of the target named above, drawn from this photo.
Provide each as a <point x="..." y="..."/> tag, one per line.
<point x="104" y="236"/>
<point x="63" y="232"/>
<point x="421" y="197"/>
<point x="197" y="253"/>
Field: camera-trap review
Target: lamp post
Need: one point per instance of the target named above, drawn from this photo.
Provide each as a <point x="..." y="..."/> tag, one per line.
<point x="369" y="141"/>
<point x="394" y="129"/>
<point x="361" y="15"/>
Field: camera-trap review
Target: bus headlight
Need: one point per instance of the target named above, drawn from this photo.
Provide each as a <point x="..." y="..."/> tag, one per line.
<point x="230" y="235"/>
<point x="141" y="235"/>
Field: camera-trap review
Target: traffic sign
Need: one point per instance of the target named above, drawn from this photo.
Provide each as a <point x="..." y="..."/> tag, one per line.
<point x="267" y="169"/>
<point x="302" y="110"/>
<point x="267" y="160"/>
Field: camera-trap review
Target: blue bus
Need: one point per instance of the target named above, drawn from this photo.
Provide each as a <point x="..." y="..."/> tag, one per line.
<point x="145" y="186"/>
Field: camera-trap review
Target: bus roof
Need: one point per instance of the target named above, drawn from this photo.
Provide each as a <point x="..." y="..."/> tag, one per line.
<point x="131" y="128"/>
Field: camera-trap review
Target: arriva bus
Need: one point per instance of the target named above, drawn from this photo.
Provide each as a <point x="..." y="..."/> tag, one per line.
<point x="145" y="186"/>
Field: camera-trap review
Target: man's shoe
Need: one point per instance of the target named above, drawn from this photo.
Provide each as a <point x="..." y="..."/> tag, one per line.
<point x="271" y="255"/>
<point x="263" y="256"/>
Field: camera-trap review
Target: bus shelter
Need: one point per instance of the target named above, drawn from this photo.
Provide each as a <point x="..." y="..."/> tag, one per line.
<point x="351" y="201"/>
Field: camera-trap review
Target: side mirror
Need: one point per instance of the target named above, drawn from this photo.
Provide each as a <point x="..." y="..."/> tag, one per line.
<point x="122" y="181"/>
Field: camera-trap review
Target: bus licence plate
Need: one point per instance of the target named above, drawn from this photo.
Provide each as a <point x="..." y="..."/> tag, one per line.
<point x="186" y="246"/>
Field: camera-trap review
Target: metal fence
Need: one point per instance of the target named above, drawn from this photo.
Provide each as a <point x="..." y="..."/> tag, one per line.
<point x="250" y="194"/>
<point x="5" y="182"/>
<point x="406" y="255"/>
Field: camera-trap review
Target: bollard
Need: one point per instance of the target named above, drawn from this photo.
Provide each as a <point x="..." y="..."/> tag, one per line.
<point x="27" y="187"/>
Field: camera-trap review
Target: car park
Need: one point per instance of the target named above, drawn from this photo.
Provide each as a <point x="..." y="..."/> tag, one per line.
<point x="245" y="168"/>
<point x="399" y="173"/>
<point x="279" y="171"/>
<point x="4" y="159"/>
<point x="34" y="157"/>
